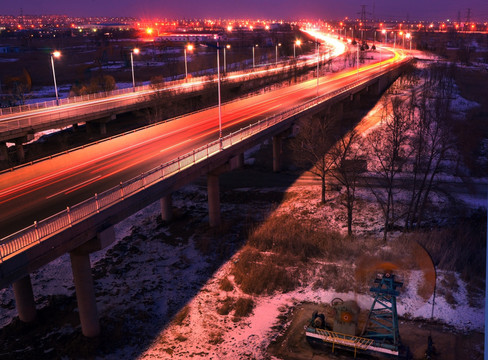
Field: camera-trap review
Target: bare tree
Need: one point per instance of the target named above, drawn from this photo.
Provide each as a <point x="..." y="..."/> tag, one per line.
<point x="310" y="147"/>
<point x="390" y="150"/>
<point x="347" y="166"/>
<point x="159" y="100"/>
<point x="432" y="140"/>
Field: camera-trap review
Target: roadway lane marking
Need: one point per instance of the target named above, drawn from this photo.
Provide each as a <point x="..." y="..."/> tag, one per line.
<point x="73" y="188"/>
<point x="181" y="143"/>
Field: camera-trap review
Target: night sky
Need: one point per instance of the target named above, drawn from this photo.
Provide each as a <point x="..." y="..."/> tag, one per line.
<point x="282" y="9"/>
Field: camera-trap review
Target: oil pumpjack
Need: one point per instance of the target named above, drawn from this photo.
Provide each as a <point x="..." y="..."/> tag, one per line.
<point x="380" y="334"/>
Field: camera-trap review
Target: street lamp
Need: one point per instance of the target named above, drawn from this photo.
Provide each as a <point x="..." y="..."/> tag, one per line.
<point x="409" y="37"/>
<point x="279" y="44"/>
<point x="225" y="61"/>
<point x="402" y="34"/>
<point x="55" y="54"/>
<point x="189" y="48"/>
<point x="253" y="54"/>
<point x="386" y="36"/>
<point x="318" y="61"/>
<point x="218" y="90"/>
<point x="357" y="44"/>
<point x="132" y="52"/>
<point x="295" y="44"/>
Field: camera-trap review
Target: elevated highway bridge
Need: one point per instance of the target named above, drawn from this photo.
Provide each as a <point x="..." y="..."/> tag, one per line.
<point x="70" y="203"/>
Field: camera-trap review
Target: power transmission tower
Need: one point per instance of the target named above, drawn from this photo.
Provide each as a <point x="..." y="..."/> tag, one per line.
<point x="363" y="14"/>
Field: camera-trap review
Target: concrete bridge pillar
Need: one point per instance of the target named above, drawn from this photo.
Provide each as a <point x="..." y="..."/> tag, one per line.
<point x="237" y="162"/>
<point x="357" y="99"/>
<point x="166" y="207"/>
<point x="85" y="293"/>
<point x="276" y="153"/>
<point x="82" y="276"/>
<point x="19" y="149"/>
<point x="213" y="199"/>
<point x="99" y="126"/>
<point x="3" y="152"/>
<point x="24" y="299"/>
<point x="96" y="127"/>
<point x="339" y="110"/>
<point x="379" y="86"/>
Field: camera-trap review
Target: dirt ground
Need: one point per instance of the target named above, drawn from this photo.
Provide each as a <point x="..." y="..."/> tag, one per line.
<point x="449" y="344"/>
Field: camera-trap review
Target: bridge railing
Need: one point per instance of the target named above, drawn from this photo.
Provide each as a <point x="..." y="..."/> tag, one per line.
<point x="43" y="229"/>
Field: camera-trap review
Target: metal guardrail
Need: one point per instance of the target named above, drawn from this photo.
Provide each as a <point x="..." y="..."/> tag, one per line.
<point x="40" y="230"/>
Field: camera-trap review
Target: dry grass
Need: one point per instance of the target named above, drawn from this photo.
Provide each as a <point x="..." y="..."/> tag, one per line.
<point x="216" y="337"/>
<point x="260" y="274"/>
<point x="226" y="285"/>
<point x="180" y="317"/>
<point x="181" y="338"/>
<point x="225" y="306"/>
<point x="288" y="236"/>
<point x="279" y="251"/>
<point x="460" y="248"/>
<point x="243" y="307"/>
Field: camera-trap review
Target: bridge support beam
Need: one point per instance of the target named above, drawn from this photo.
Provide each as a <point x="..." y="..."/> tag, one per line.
<point x="24" y="299"/>
<point x="213" y="191"/>
<point x="277" y="153"/>
<point x="167" y="208"/>
<point x="85" y="293"/>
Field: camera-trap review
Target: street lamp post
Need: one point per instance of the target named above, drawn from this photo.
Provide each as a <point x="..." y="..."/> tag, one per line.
<point x="318" y="61"/>
<point x="253" y="56"/>
<point x="189" y="48"/>
<point x="386" y="36"/>
<point x="295" y="44"/>
<point x="132" y="52"/>
<point x="225" y="59"/>
<point x="409" y="37"/>
<point x="218" y="90"/>
<point x="279" y="44"/>
<point x="357" y="44"/>
<point x="55" y="54"/>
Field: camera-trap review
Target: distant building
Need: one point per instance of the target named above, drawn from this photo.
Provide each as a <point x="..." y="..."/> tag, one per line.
<point x="112" y="26"/>
<point x="184" y="38"/>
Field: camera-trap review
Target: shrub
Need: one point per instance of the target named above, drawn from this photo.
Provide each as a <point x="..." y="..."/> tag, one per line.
<point x="226" y="306"/>
<point x="226" y="284"/>
<point x="243" y="307"/>
<point x="216" y="338"/>
<point x="257" y="274"/>
<point x="181" y="315"/>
